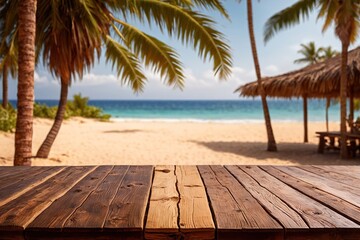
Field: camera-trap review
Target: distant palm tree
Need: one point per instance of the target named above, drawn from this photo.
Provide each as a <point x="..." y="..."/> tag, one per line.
<point x="345" y="16"/>
<point x="26" y="10"/>
<point x="71" y="33"/>
<point x="8" y="63"/>
<point x="328" y="52"/>
<point x="270" y="135"/>
<point x="310" y="53"/>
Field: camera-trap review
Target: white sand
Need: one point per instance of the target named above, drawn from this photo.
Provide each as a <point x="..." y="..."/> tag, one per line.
<point x="88" y="142"/>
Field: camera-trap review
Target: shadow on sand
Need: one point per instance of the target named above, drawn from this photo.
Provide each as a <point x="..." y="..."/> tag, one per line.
<point x="296" y="153"/>
<point x="124" y="131"/>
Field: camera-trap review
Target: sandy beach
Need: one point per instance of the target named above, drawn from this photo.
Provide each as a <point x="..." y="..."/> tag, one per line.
<point x="89" y="142"/>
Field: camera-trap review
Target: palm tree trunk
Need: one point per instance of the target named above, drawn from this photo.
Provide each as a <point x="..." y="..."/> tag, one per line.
<point x="343" y="91"/>
<point x="25" y="101"/>
<point x="271" y="139"/>
<point x="305" y="109"/>
<point x="5" y="87"/>
<point x="45" y="147"/>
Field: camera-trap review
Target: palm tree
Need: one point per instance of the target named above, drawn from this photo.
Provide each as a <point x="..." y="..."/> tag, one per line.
<point x="8" y="63"/>
<point x="270" y="135"/>
<point x="327" y="53"/>
<point x="345" y="16"/>
<point x="310" y="53"/>
<point x="68" y="42"/>
<point x="26" y="62"/>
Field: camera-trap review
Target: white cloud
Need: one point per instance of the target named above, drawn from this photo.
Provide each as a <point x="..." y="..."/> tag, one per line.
<point x="40" y="79"/>
<point x="91" y="79"/>
<point x="238" y="70"/>
<point x="271" y="69"/>
<point x="297" y="47"/>
<point x="239" y="75"/>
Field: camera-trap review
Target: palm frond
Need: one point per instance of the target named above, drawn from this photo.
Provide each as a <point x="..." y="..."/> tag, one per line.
<point x="215" y="5"/>
<point x="8" y="19"/>
<point x="9" y="56"/>
<point x="188" y="26"/>
<point x="346" y="21"/>
<point x="126" y="63"/>
<point x="69" y="35"/>
<point x="154" y="53"/>
<point x="328" y="11"/>
<point x="288" y="17"/>
<point x="301" y="60"/>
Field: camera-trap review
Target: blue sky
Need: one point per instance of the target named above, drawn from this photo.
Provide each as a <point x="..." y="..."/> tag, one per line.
<point x="276" y="57"/>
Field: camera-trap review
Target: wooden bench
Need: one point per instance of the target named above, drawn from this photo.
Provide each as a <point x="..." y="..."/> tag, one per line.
<point x="180" y="202"/>
<point x="328" y="141"/>
<point x="331" y="141"/>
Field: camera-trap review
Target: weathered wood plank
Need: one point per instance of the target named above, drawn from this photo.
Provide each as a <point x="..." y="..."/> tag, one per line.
<point x="195" y="215"/>
<point x="54" y="217"/>
<point x="14" y="187"/>
<point x="163" y="213"/>
<point x="236" y="212"/>
<point x="16" y="172"/>
<point x="18" y="213"/>
<point x="343" y="191"/>
<point x="127" y="210"/>
<point x="92" y="213"/>
<point x="288" y="217"/>
<point x="334" y="202"/>
<point x="352" y="171"/>
<point x="314" y="213"/>
<point x="334" y="176"/>
<point x="20" y="176"/>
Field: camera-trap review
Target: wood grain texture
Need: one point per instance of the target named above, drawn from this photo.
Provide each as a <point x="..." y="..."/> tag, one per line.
<point x="344" y="191"/>
<point x="287" y="216"/>
<point x="54" y="217"/>
<point x="12" y="188"/>
<point x="351" y="171"/>
<point x="186" y="202"/>
<point x="8" y="172"/>
<point x="236" y="212"/>
<point x="195" y="215"/>
<point x="163" y="213"/>
<point x="92" y="213"/>
<point x="314" y="213"/>
<point x="127" y="210"/>
<point x="336" y="176"/>
<point x="18" y="213"/>
<point x="334" y="202"/>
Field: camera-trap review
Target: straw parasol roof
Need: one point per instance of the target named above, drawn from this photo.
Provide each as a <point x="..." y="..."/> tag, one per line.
<point x="320" y="80"/>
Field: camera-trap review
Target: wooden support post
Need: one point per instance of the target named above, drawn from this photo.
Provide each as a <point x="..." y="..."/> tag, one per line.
<point x="305" y="119"/>
<point x="351" y="114"/>
<point x="327" y="113"/>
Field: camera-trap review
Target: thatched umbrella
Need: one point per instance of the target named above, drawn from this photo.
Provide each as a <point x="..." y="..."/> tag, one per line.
<point x="320" y="80"/>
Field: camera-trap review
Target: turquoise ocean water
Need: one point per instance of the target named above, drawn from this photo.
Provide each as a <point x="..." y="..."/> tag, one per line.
<point x="212" y="110"/>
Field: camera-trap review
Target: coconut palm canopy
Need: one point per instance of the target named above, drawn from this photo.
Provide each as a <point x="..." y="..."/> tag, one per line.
<point x="320" y="80"/>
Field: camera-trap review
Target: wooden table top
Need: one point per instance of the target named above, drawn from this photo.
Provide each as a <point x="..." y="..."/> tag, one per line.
<point x="180" y="202"/>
